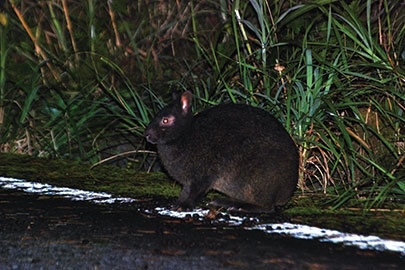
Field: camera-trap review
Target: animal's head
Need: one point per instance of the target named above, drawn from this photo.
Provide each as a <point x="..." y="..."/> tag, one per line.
<point x="172" y="121"/>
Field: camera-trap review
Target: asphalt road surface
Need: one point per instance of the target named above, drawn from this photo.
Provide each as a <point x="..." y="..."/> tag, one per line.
<point x="47" y="232"/>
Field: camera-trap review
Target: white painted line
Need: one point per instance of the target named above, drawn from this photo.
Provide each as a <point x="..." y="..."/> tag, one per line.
<point x="295" y="230"/>
<point x="71" y="193"/>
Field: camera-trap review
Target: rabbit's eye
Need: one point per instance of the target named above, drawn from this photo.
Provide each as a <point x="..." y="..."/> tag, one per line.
<point x="167" y="121"/>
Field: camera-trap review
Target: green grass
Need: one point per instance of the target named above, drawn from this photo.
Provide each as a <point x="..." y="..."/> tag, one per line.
<point x="82" y="80"/>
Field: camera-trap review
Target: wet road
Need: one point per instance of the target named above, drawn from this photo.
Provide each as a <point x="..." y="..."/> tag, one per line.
<point x="47" y="232"/>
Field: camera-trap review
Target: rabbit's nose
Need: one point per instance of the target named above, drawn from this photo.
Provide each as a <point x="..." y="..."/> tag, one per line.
<point x="150" y="137"/>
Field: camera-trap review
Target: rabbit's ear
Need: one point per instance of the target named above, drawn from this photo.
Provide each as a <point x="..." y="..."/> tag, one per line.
<point x="186" y="102"/>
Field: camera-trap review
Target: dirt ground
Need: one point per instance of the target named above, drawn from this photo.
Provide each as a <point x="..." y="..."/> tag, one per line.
<point x="43" y="232"/>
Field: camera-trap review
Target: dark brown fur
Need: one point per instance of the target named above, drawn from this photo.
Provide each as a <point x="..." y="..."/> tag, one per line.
<point x="238" y="150"/>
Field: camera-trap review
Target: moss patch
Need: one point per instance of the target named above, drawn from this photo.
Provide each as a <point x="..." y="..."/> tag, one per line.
<point x="313" y="209"/>
<point x="124" y="182"/>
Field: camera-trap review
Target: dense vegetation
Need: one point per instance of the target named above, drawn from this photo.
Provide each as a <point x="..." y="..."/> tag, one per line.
<point x="81" y="79"/>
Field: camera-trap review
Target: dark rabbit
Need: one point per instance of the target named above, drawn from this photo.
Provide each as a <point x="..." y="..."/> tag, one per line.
<point x="238" y="150"/>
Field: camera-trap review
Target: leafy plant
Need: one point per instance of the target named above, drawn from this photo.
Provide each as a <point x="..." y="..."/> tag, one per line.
<point x="333" y="92"/>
